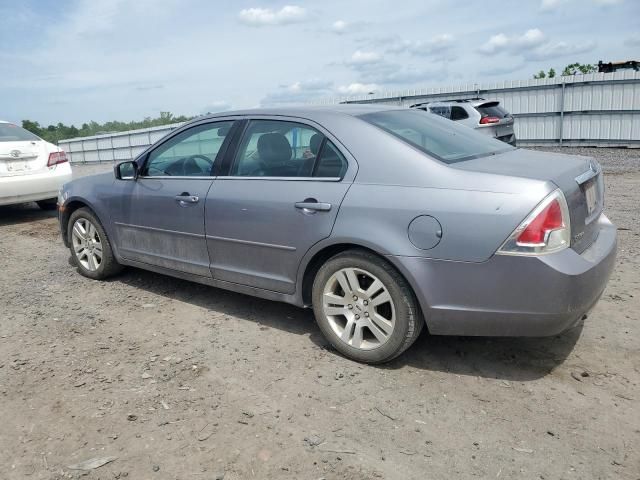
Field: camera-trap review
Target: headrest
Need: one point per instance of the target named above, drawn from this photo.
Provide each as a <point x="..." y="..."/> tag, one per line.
<point x="274" y="148"/>
<point x="314" y="143"/>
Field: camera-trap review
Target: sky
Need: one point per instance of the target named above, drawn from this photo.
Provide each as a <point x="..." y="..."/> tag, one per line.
<point x="73" y="61"/>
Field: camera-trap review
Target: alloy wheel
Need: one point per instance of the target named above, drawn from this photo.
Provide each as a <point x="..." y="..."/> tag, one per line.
<point x="359" y="308"/>
<point x="87" y="244"/>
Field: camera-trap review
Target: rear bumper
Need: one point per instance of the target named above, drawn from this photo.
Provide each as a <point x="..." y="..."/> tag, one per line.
<point x="34" y="187"/>
<point x="510" y="139"/>
<point x="512" y="295"/>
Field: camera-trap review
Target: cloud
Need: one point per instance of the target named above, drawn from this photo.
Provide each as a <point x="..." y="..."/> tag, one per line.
<point x="553" y="5"/>
<point x="382" y="72"/>
<point x="531" y="38"/>
<point x="358" y="88"/>
<point x="145" y="88"/>
<point x="497" y="71"/>
<point x="261" y="17"/>
<point x="361" y="57"/>
<point x="340" y="27"/>
<point x="558" y="49"/>
<point x="436" y="45"/>
<point x="533" y="45"/>
<point x="550" y="5"/>
<point x="495" y="44"/>
<point x="502" y="43"/>
<point x="298" y="92"/>
<point x="216" y="106"/>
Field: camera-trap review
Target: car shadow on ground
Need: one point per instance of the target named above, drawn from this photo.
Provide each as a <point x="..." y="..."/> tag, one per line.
<point x="515" y="359"/>
<point x="23" y="213"/>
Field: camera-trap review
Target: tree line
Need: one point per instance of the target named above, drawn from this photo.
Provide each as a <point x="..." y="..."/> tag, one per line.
<point x="571" y="69"/>
<point x="55" y="133"/>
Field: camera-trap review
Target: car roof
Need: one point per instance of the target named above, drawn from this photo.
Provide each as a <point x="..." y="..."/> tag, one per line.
<point x="308" y="112"/>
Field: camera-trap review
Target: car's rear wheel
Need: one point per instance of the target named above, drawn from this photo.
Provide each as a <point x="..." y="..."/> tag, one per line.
<point x="90" y="246"/>
<point x="365" y="308"/>
<point x="48" y="204"/>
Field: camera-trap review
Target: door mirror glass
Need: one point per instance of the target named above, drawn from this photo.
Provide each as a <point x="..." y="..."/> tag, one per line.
<point x="126" y="171"/>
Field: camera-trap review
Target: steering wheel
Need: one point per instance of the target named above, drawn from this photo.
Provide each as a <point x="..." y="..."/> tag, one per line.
<point x="190" y="161"/>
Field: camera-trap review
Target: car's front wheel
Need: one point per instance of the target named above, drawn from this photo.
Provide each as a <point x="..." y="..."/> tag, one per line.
<point x="90" y="247"/>
<point x="365" y="308"/>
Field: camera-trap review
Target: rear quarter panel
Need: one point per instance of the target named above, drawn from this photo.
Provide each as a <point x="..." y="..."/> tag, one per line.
<point x="474" y="223"/>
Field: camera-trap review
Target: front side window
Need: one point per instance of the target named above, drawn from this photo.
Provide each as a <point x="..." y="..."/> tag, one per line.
<point x="274" y="148"/>
<point x="13" y="133"/>
<point x="191" y="153"/>
<point x="447" y="141"/>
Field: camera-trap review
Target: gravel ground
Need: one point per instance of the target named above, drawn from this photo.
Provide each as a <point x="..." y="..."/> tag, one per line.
<point x="166" y="379"/>
<point x="613" y="160"/>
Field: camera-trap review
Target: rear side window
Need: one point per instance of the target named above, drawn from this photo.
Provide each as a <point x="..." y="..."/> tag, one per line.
<point x="443" y="111"/>
<point x="275" y="148"/>
<point x="492" y="109"/>
<point x="447" y="141"/>
<point x="13" y="133"/>
<point x="458" y="113"/>
<point x="330" y="162"/>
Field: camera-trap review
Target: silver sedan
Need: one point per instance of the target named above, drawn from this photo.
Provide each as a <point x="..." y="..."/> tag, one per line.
<point x="383" y="220"/>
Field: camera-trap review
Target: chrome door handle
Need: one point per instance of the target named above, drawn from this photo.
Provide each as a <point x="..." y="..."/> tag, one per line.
<point x="186" y="198"/>
<point x="314" y="206"/>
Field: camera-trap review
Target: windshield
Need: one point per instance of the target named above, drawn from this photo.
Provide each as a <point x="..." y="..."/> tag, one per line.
<point x="443" y="139"/>
<point x="12" y="133"/>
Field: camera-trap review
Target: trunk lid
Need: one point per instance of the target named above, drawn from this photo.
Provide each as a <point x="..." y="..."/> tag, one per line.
<point x="579" y="178"/>
<point x="23" y="157"/>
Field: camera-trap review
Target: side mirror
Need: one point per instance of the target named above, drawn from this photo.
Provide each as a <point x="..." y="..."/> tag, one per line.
<point x="126" y="171"/>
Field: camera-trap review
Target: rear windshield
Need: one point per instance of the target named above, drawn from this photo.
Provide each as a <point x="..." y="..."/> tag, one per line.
<point x="492" y="110"/>
<point x="443" y="139"/>
<point x="12" y="133"/>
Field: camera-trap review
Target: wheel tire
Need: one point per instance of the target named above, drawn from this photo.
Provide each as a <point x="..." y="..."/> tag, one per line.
<point x="48" y="204"/>
<point x="407" y="320"/>
<point x="108" y="266"/>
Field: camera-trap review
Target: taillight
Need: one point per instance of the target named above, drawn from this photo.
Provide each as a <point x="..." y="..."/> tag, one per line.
<point x="487" y="120"/>
<point x="56" y="157"/>
<point x="545" y="230"/>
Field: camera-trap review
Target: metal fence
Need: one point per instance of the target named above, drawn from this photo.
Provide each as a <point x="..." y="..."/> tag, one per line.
<point x="599" y="109"/>
<point x="113" y="147"/>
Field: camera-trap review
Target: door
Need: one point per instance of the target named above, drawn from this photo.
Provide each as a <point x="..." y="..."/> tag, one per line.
<point x="161" y="216"/>
<point x="281" y="195"/>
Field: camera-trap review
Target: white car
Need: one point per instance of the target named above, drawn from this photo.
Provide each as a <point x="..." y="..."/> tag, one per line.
<point x="31" y="170"/>
<point x="485" y="116"/>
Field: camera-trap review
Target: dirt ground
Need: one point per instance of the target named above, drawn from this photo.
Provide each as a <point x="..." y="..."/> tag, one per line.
<point x="173" y="380"/>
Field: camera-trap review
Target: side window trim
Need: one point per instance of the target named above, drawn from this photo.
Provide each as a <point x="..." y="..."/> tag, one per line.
<point x="319" y="155"/>
<point x="223" y="167"/>
<point x="240" y="141"/>
<point x="220" y="155"/>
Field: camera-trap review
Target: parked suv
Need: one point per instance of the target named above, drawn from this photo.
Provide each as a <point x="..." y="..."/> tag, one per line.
<point x="486" y="116"/>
